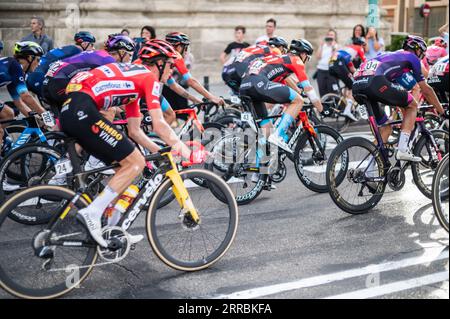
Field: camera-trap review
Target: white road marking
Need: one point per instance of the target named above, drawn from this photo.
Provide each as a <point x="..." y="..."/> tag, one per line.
<point x="429" y="256"/>
<point x="394" y="287"/>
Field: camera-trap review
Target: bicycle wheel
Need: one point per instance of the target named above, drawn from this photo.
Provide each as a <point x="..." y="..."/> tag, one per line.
<point x="441" y="193"/>
<point x="227" y="157"/>
<point x="357" y="193"/>
<point x="22" y="272"/>
<point x="180" y="242"/>
<point x="423" y="171"/>
<point x="311" y="155"/>
<point x="335" y="105"/>
<point x="36" y="166"/>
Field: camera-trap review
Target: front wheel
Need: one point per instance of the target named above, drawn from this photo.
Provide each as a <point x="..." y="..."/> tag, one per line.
<point x="177" y="239"/>
<point x="440" y="193"/>
<point x="311" y="155"/>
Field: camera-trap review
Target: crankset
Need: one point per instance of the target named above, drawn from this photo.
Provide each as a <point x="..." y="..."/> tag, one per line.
<point x="119" y="244"/>
<point x="280" y="174"/>
<point x="396" y="178"/>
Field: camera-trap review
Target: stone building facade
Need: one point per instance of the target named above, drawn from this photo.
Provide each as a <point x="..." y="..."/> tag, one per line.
<point x="209" y="23"/>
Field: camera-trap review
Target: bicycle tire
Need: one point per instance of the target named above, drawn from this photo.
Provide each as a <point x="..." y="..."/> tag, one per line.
<point x="415" y="166"/>
<point x="20" y="154"/>
<point x="204" y="262"/>
<point x="332" y="184"/>
<point x="59" y="289"/>
<point x="302" y="142"/>
<point x="436" y="194"/>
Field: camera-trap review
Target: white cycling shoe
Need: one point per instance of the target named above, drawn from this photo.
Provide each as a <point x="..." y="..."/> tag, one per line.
<point x="349" y="114"/>
<point x="407" y="156"/>
<point x="94" y="226"/>
<point x="278" y="140"/>
<point x="94" y="163"/>
<point x="134" y="239"/>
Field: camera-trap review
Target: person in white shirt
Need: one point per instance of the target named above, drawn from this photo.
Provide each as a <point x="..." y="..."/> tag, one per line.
<point x="271" y="25"/>
<point x="326" y="82"/>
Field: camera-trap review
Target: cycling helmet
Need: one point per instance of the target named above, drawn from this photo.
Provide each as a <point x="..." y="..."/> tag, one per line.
<point x="440" y="43"/>
<point x="176" y="38"/>
<point x="359" y="41"/>
<point x="27" y="48"/>
<point x="153" y="50"/>
<point x="434" y="53"/>
<point x="118" y="42"/>
<point x="278" y="42"/>
<point x="84" y="36"/>
<point x="301" y="45"/>
<point x="414" y="42"/>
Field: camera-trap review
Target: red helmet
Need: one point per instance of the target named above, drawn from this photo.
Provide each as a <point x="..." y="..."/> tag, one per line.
<point x="157" y="49"/>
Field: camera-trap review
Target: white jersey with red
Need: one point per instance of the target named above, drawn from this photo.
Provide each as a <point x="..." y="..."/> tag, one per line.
<point x="119" y="84"/>
<point x="349" y="54"/>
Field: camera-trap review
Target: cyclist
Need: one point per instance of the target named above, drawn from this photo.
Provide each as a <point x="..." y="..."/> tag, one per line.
<point x="343" y="64"/>
<point x="118" y="48"/>
<point x="434" y="53"/>
<point x="379" y="80"/>
<point x="120" y="84"/>
<point x="84" y="41"/>
<point x="278" y="79"/>
<point x="232" y="73"/>
<point x="181" y="42"/>
<point x="438" y="79"/>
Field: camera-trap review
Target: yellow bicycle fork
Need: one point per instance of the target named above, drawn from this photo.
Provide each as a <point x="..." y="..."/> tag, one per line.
<point x="180" y="191"/>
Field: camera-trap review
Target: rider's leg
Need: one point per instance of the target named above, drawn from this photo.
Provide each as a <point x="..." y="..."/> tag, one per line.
<point x="6" y="113"/>
<point x="409" y="119"/>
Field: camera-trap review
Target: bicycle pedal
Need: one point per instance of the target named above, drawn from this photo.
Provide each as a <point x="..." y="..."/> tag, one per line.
<point x="133" y="247"/>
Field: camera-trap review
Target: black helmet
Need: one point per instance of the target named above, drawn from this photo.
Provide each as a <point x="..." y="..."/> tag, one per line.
<point x="359" y="41"/>
<point x="278" y="42"/>
<point x="176" y="38"/>
<point x="414" y="42"/>
<point x="301" y="45"/>
<point x="84" y="36"/>
<point x="27" y="48"/>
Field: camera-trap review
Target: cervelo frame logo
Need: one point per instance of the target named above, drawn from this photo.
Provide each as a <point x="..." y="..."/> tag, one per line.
<point x="105" y="86"/>
<point x="151" y="187"/>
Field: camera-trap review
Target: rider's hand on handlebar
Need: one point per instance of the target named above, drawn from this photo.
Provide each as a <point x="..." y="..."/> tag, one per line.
<point x="218" y="100"/>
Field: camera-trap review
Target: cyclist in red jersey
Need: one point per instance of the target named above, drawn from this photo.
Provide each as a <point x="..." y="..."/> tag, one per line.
<point x="181" y="42"/>
<point x="279" y="79"/>
<point x="120" y="84"/>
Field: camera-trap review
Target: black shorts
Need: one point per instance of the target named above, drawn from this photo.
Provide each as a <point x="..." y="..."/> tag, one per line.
<point x="260" y="89"/>
<point x="378" y="89"/>
<point x="339" y="69"/>
<point x="231" y="78"/>
<point x="99" y="137"/>
<point x="54" y="92"/>
<point x="176" y="101"/>
<point x="440" y="86"/>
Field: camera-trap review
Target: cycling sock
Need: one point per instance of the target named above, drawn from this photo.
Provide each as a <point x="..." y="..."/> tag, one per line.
<point x="260" y="151"/>
<point x="101" y="202"/>
<point x="348" y="107"/>
<point x="285" y="122"/>
<point x="403" y="142"/>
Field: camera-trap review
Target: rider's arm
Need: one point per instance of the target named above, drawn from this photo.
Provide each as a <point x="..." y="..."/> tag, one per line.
<point x="195" y="84"/>
<point x="136" y="134"/>
<point x="29" y="100"/>
<point x="169" y="114"/>
<point x="178" y="89"/>
<point x="25" y="110"/>
<point x="430" y="96"/>
<point x="303" y="83"/>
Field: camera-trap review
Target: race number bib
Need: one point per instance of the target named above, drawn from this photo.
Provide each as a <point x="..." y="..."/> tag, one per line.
<point x="256" y="66"/>
<point x="48" y="119"/>
<point x="370" y="67"/>
<point x="63" y="168"/>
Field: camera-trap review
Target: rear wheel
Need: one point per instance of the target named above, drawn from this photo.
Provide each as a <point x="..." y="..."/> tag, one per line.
<point x="441" y="193"/>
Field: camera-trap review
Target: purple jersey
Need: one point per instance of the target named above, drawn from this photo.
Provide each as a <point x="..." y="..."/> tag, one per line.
<point x="392" y="65"/>
<point x="85" y="61"/>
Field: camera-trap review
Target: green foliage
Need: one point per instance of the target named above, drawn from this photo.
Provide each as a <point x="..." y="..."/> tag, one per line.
<point x="396" y="42"/>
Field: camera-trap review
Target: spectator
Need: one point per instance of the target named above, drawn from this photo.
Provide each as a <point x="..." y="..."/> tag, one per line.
<point x="147" y="33"/>
<point x="233" y="49"/>
<point x="271" y="25"/>
<point x="358" y="32"/>
<point x="444" y="34"/>
<point x="375" y="44"/>
<point x="326" y="82"/>
<point x="38" y="36"/>
<point x="125" y="32"/>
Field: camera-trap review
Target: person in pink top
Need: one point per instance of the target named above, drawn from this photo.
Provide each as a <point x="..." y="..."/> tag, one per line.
<point x="434" y="53"/>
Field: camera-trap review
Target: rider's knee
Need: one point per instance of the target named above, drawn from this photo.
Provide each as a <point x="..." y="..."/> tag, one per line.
<point x="7" y="113"/>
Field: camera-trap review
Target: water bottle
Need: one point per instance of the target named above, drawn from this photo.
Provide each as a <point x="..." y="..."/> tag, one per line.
<point x="122" y="204"/>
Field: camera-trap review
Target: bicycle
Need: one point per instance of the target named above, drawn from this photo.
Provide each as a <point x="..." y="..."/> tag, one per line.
<point x="441" y="192"/>
<point x="34" y="260"/>
<point x="234" y="156"/>
<point x="368" y="177"/>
